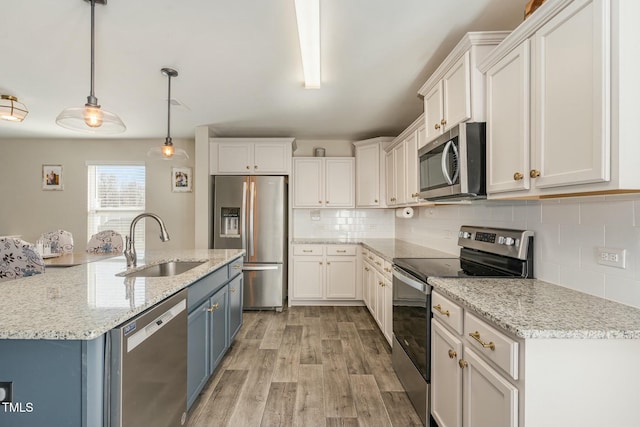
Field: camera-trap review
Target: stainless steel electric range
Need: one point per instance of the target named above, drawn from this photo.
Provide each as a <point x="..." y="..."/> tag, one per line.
<point x="485" y="252"/>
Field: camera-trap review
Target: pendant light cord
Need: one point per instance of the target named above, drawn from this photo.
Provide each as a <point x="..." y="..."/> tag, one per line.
<point x="91" y="99"/>
<point x="169" y="111"/>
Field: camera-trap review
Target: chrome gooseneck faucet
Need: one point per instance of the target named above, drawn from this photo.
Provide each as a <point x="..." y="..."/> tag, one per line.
<point x="130" y="250"/>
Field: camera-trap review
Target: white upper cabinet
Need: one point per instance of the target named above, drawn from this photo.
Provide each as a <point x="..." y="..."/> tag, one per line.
<point x="401" y="164"/>
<point x="455" y="91"/>
<point x="370" y="173"/>
<point x="250" y="156"/>
<point x="323" y="182"/>
<point x="560" y="114"/>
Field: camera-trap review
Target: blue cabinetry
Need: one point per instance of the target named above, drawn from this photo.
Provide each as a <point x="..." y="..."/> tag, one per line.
<point x="215" y="316"/>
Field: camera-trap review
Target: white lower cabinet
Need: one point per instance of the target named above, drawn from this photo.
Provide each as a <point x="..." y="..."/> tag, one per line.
<point x="324" y="272"/>
<point x="378" y="291"/>
<point x="467" y="389"/>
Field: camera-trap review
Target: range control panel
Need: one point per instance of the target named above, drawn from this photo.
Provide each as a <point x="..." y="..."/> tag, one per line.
<point x="501" y="241"/>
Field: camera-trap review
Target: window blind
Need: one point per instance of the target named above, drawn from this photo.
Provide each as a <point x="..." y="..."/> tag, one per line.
<point x="116" y="195"/>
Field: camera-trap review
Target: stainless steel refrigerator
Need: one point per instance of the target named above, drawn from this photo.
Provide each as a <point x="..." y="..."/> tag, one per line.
<point x="250" y="212"/>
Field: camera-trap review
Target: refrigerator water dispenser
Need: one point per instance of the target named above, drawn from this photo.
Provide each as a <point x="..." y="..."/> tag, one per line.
<point x="230" y="222"/>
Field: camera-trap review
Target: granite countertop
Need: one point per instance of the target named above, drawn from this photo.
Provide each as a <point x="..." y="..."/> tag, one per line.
<point x="530" y="308"/>
<point x="83" y="302"/>
<point x="386" y="248"/>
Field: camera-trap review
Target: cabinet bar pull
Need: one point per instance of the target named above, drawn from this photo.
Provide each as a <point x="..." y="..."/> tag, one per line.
<point x="341" y="251"/>
<point x="452" y="354"/>
<point x="439" y="309"/>
<point x="307" y="250"/>
<point x="237" y="267"/>
<point x="476" y="336"/>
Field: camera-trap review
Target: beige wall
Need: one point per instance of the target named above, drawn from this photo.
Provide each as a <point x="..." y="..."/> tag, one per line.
<point x="27" y="210"/>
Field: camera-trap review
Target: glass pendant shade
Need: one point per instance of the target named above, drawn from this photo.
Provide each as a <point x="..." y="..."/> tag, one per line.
<point x="11" y="110"/>
<point x="91" y="118"/>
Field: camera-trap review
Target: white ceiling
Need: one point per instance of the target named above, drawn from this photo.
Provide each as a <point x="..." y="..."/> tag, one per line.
<point x="238" y="61"/>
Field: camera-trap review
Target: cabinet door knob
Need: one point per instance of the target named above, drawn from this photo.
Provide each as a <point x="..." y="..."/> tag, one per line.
<point x="452" y="354"/>
<point x="443" y="122"/>
<point x="437" y="126"/>
<point x="248" y="167"/>
<point x="375" y="201"/>
<point x="255" y="166"/>
<point x="517" y="176"/>
<point x="381" y="283"/>
<point x="463" y="363"/>
<point x="534" y="173"/>
<point x="327" y="202"/>
<point x="232" y="289"/>
<point x="328" y="262"/>
<point x="213" y="308"/>
<point x="320" y="201"/>
<point x="320" y="262"/>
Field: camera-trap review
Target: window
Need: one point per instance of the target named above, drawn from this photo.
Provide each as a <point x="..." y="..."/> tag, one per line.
<point x="116" y="195"/>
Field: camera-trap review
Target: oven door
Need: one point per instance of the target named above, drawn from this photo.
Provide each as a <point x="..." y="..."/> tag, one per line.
<point x="412" y="319"/>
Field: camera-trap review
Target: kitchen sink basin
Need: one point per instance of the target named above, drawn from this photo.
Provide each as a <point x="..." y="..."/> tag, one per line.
<point x="165" y="269"/>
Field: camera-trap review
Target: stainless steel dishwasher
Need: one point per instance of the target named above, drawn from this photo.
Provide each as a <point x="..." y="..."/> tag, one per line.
<point x="146" y="381"/>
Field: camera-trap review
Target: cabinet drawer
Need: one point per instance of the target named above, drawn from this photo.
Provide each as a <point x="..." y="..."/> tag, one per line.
<point x="205" y="286"/>
<point x="492" y="344"/>
<point x="338" y="250"/>
<point x="377" y="262"/>
<point x="235" y="267"/>
<point x="386" y="270"/>
<point x="447" y="312"/>
<point x="307" y="250"/>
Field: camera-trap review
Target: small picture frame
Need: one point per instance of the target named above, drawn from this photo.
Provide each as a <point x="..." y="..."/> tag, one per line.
<point x="52" y="177"/>
<point x="181" y="180"/>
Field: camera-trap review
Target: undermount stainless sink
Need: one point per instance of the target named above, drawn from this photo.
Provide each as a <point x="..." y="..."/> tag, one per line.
<point x="165" y="269"/>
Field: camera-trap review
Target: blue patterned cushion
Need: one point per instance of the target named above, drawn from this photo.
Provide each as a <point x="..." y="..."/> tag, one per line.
<point x="61" y="241"/>
<point x="105" y="242"/>
<point x="18" y="259"/>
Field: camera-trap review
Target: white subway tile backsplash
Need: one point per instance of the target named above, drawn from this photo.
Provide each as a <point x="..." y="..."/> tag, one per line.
<point x="618" y="212"/>
<point x="344" y="223"/>
<point x="567" y="231"/>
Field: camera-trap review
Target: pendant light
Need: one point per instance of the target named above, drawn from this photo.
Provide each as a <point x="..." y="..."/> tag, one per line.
<point x="167" y="151"/>
<point x="91" y="118"/>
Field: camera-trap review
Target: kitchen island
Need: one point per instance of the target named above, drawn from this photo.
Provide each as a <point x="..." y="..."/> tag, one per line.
<point x="53" y="330"/>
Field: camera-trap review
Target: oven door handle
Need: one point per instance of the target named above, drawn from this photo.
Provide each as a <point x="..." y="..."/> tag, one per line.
<point x="410" y="281"/>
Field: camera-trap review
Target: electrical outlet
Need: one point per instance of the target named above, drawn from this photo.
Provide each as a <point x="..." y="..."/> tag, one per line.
<point x="611" y="257"/>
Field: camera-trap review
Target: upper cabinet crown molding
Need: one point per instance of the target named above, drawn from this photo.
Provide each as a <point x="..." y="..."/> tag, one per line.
<point x="543" y="14"/>
<point x="413" y="127"/>
<point x="469" y="40"/>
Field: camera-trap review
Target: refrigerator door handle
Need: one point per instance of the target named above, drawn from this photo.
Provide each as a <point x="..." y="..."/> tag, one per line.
<point x="252" y="196"/>
<point x="259" y="267"/>
<point x="243" y="219"/>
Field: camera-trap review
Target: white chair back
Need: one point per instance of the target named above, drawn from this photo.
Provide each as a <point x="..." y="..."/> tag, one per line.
<point x="105" y="242"/>
<point x="61" y="241"/>
<point x="18" y="259"/>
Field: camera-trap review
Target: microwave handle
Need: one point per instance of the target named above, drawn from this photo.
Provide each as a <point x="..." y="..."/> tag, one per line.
<point x="445" y="160"/>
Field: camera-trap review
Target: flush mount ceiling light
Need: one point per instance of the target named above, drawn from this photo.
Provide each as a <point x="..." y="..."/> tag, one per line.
<point x="308" y="17"/>
<point x="91" y="118"/>
<point x="11" y="110"/>
<point x="167" y="151"/>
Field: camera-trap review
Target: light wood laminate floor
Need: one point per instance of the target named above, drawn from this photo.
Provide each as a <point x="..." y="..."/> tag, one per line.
<point x="306" y="366"/>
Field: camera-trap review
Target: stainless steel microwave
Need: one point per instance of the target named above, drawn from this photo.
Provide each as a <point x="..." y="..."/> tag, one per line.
<point x="453" y="166"/>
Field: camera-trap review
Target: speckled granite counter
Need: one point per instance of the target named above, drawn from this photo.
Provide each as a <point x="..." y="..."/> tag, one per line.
<point x="531" y="308"/>
<point x="386" y="248"/>
<point x="83" y="302"/>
